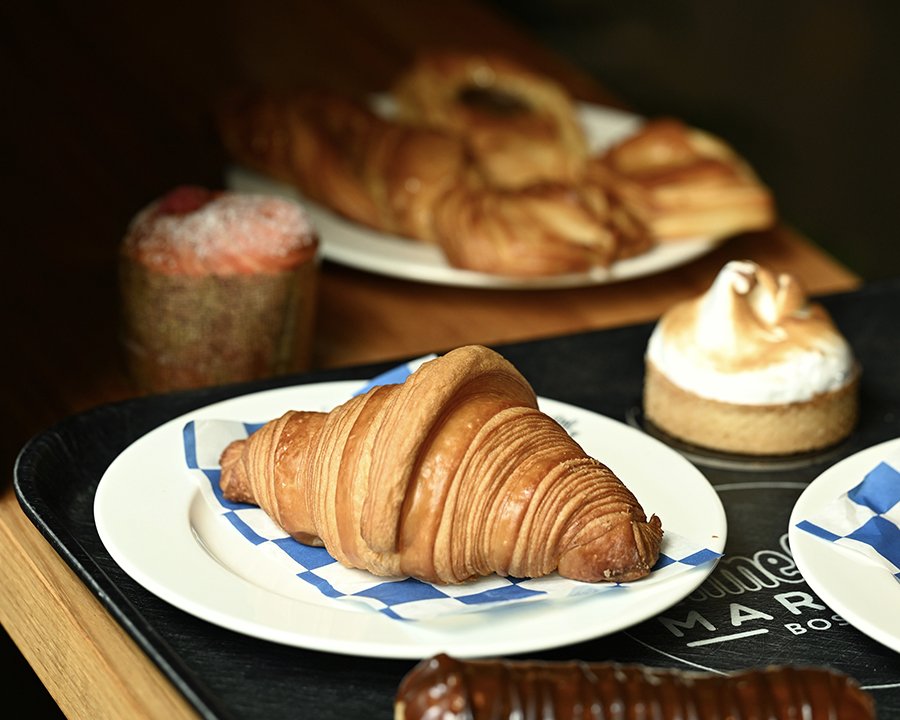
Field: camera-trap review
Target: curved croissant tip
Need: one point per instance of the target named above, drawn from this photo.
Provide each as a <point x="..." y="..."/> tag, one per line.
<point x="232" y="453"/>
<point x="626" y="552"/>
<point x="233" y="480"/>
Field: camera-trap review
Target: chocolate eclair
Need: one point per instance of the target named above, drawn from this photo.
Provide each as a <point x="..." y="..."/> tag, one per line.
<point x="452" y="689"/>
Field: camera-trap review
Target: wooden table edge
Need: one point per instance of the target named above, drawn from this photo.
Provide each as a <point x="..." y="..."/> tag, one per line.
<point x="89" y="664"/>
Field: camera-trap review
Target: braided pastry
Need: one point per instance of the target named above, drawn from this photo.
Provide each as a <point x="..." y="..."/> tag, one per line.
<point x="451" y="689"/>
<point x="452" y="475"/>
<point x="521" y="127"/>
<point x="682" y="182"/>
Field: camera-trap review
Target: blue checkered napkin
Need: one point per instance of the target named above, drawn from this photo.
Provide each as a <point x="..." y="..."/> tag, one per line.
<point x="867" y="517"/>
<point x="400" y="598"/>
<point x="396" y="375"/>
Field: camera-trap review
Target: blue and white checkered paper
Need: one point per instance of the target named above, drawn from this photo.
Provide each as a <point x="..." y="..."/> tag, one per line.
<point x="866" y="518"/>
<point x="400" y="598"/>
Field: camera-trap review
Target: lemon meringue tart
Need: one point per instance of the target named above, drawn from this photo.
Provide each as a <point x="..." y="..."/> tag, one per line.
<point x="752" y="366"/>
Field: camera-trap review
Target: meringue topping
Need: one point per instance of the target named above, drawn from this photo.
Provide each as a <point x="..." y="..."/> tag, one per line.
<point x="753" y="338"/>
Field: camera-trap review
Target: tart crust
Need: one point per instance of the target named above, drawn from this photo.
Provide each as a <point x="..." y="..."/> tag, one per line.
<point x="779" y="429"/>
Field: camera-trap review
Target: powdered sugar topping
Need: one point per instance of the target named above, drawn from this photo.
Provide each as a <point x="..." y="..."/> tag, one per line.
<point x="232" y="233"/>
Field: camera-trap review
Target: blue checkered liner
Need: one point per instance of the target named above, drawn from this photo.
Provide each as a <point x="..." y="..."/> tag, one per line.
<point x="867" y="517"/>
<point x="400" y="598"/>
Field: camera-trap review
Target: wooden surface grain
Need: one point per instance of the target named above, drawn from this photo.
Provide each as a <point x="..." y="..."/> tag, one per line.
<point x="112" y="107"/>
<point x="359" y="320"/>
<point x="89" y="664"/>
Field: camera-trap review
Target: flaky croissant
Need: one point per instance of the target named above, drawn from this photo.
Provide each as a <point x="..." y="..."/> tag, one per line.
<point x="451" y="689"/>
<point x="339" y="153"/>
<point x="451" y="475"/>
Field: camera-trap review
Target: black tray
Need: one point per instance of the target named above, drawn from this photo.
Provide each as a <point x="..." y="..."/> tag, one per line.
<point x="228" y="675"/>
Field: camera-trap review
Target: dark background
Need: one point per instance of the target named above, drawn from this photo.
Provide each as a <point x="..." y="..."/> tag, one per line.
<point x="807" y="90"/>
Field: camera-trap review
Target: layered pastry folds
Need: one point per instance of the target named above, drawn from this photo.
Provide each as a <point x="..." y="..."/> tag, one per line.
<point x="452" y="689"/>
<point x="521" y="126"/>
<point x="489" y="161"/>
<point x="751" y="366"/>
<point x="683" y="182"/>
<point x="451" y="475"/>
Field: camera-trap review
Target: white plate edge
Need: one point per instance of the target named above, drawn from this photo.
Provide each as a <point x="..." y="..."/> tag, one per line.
<point x="683" y="584"/>
<point x="838" y="480"/>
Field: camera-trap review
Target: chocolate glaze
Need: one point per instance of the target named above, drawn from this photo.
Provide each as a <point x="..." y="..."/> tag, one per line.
<point x="444" y="688"/>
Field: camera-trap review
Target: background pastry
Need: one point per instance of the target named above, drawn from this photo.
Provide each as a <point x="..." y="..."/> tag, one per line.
<point x="521" y="127"/>
<point x="420" y="181"/>
<point x="751" y="366"/>
<point x="489" y="161"/>
<point x="341" y="154"/>
<point x="217" y="287"/>
<point x="683" y="182"/>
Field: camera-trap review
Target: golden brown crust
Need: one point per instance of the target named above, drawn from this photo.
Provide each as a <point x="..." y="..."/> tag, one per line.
<point x="342" y="155"/>
<point x="419" y="182"/>
<point x="521" y="127"/>
<point x="683" y="182"/>
<point x="750" y="429"/>
<point x="540" y="230"/>
<point x="507" y="188"/>
<point x="452" y="475"/>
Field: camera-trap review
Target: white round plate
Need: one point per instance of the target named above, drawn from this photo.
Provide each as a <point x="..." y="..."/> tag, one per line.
<point x="348" y="243"/>
<point x="153" y="522"/>
<point x="860" y="591"/>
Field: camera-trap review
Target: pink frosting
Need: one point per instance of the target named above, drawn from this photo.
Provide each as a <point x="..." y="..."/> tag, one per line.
<point x="194" y="231"/>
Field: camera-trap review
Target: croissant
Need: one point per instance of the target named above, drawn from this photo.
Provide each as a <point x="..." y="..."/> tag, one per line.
<point x="339" y="153"/>
<point x="451" y="475"/>
<point x="682" y="182"/>
<point x="444" y="687"/>
<point x="521" y="127"/>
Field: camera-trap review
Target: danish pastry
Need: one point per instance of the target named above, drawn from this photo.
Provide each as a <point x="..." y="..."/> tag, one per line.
<point x="682" y="182"/>
<point x="521" y="127"/>
<point x="341" y="154"/>
<point x="540" y="230"/>
<point x="420" y="182"/>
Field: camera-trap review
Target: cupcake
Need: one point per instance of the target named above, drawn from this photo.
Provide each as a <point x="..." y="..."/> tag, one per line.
<point x="751" y="367"/>
<point x="217" y="287"/>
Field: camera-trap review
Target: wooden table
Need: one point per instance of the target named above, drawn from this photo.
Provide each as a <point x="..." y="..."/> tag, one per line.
<point x="114" y="111"/>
